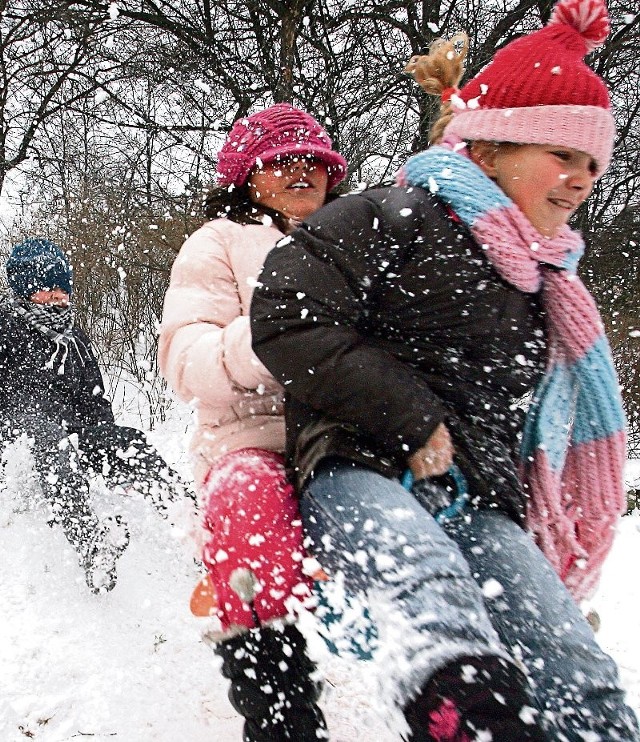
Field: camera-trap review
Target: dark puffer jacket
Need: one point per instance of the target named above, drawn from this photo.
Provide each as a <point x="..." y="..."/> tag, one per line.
<point x="382" y="318"/>
<point x="27" y="385"/>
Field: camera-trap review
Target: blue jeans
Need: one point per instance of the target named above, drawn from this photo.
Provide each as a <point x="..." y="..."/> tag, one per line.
<point x="477" y="585"/>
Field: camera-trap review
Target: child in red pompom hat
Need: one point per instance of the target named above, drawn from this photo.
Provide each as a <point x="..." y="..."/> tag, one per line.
<point x="408" y="324"/>
<point x="534" y="109"/>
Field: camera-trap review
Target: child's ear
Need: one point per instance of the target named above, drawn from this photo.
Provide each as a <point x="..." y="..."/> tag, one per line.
<point x="484" y="156"/>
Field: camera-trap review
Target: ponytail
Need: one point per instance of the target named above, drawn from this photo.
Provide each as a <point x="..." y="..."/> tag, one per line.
<point x="438" y="73"/>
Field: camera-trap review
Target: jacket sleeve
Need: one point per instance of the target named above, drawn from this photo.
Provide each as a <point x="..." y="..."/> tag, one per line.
<point x="311" y="319"/>
<point x="205" y="340"/>
<point x="4" y="343"/>
<point x="91" y="403"/>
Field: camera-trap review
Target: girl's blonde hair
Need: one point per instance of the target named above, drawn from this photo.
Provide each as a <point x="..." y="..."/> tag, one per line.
<point x="438" y="73"/>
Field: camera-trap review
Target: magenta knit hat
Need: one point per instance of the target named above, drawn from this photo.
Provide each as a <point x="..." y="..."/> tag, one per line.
<point x="278" y="130"/>
<point x="538" y="89"/>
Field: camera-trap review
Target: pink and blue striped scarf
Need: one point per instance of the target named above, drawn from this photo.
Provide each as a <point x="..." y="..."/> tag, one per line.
<point x="573" y="445"/>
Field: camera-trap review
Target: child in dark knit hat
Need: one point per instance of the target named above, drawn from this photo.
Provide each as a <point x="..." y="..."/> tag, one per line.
<point x="407" y="324"/>
<point x="50" y="388"/>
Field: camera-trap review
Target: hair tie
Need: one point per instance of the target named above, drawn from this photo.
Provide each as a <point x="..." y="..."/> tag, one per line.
<point x="445" y="95"/>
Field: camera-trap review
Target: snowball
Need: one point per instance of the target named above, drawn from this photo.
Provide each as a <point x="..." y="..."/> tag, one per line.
<point x="491" y="588"/>
<point x="527" y="715"/>
<point x="469" y="673"/>
<point x="385" y="561"/>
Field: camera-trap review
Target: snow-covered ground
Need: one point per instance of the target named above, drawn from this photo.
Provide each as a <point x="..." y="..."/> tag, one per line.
<point x="131" y="666"/>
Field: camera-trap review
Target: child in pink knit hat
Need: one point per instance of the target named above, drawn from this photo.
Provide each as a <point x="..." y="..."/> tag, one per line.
<point x="277" y="132"/>
<point x="275" y="168"/>
<point x="408" y="323"/>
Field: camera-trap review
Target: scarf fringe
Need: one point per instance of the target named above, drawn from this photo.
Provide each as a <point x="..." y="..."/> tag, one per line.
<point x="56" y="325"/>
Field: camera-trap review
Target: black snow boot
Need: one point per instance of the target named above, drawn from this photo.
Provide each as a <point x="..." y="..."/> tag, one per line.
<point x="273" y="685"/>
<point x="471" y="697"/>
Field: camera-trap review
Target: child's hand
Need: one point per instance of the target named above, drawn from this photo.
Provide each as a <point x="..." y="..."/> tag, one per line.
<point x="435" y="457"/>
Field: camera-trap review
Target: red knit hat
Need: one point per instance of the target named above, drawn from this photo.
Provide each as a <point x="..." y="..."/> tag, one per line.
<point x="277" y="131"/>
<point x="538" y="90"/>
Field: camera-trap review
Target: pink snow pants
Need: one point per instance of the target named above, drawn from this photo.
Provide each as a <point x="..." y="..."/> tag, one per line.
<point x="254" y="547"/>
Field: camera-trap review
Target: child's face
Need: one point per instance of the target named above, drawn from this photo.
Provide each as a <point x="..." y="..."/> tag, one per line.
<point x="547" y="182"/>
<point x="294" y="186"/>
<point x="51" y="297"/>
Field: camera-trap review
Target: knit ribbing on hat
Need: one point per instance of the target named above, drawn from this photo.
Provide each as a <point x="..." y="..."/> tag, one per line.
<point x="518" y="97"/>
<point x="585" y="128"/>
<point x="278" y="131"/>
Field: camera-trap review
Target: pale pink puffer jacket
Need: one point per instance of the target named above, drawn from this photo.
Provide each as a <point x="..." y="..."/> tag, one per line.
<point x="205" y="342"/>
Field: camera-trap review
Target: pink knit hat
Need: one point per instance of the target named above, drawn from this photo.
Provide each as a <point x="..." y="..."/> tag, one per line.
<point x="277" y="131"/>
<point x="538" y="90"/>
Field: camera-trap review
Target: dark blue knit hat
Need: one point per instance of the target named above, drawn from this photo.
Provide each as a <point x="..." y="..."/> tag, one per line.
<point x="36" y="264"/>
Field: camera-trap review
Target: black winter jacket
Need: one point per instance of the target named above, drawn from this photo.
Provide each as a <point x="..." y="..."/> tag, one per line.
<point x="382" y="318"/>
<point x="75" y="397"/>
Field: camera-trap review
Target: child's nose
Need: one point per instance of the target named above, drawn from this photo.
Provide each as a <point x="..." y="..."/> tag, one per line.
<point x="581" y="178"/>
